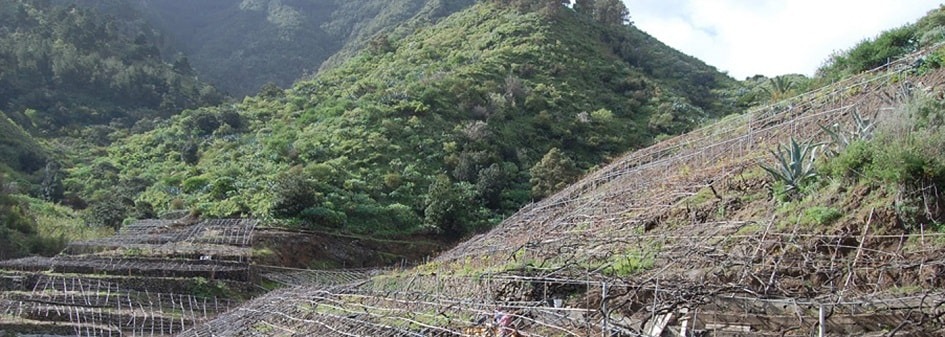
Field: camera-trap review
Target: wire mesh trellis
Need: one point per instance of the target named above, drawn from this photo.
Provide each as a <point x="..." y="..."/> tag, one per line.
<point x="92" y="307"/>
<point x="96" y="287"/>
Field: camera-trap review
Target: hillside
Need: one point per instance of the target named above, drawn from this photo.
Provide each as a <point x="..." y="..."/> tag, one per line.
<point x="817" y="214"/>
<point x="692" y="236"/>
<point x="67" y="67"/>
<point x="21" y="154"/>
<point x="446" y="130"/>
<point x="239" y="46"/>
<point x="71" y="79"/>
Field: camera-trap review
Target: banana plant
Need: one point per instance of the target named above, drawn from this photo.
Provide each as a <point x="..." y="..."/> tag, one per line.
<point x="795" y="164"/>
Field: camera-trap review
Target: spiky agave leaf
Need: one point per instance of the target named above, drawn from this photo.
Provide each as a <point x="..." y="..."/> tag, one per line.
<point x="795" y="164"/>
<point x="863" y="130"/>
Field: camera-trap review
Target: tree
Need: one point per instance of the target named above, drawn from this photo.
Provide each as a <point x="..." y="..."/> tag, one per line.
<point x="52" y="188"/>
<point x="110" y="211"/>
<point x="205" y="122"/>
<point x="294" y="194"/>
<point x="182" y="65"/>
<point x="611" y="12"/>
<point x="492" y="181"/>
<point x="381" y="45"/>
<point x="448" y="206"/>
<point x="189" y="152"/>
<point x="271" y="90"/>
<point x="586" y="7"/>
<point x="144" y="210"/>
<point x="552" y="173"/>
<point x="778" y="88"/>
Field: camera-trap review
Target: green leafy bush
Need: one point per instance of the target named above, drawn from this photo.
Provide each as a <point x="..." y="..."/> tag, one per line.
<point x="869" y="54"/>
<point x="552" y="173"/>
<point x="109" y="212"/>
<point x="295" y="193"/>
<point x="852" y="162"/>
<point x="195" y="184"/>
<point x="821" y="216"/>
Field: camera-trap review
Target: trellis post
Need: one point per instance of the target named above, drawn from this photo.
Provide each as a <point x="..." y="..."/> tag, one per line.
<point x="820" y="319"/>
<point x="603" y="307"/>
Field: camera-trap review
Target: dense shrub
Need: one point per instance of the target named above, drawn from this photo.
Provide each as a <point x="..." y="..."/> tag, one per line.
<point x="109" y="212"/>
<point x="19" y="235"/>
<point x="552" y="173"/>
<point x="852" y="162"/>
<point x="296" y="193"/>
<point x="907" y="155"/>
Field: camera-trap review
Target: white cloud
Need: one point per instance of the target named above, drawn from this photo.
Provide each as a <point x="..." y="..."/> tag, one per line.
<point x="770" y="37"/>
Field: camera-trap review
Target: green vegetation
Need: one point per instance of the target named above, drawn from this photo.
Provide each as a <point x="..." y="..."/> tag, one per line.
<point x="840" y="139"/>
<point x="210" y="288"/>
<point x="906" y="151"/>
<point x="17" y="228"/>
<point x="448" y="130"/>
<point x="21" y="156"/>
<point x="779" y="87"/>
<point x="866" y="55"/>
<point x="622" y="265"/>
<point x="554" y="172"/>
<point x="29" y="226"/>
<point x="73" y="80"/>
<point x="821" y="215"/>
<point x="905" y="156"/>
<point x="57" y="74"/>
<point x="888" y="46"/>
<point x="900" y="156"/>
<point x="758" y="89"/>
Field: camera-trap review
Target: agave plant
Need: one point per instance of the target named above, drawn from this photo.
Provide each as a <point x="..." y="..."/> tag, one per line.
<point x="795" y="164"/>
<point x="862" y="130"/>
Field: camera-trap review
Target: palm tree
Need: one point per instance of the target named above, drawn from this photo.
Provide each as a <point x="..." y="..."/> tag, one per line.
<point x="779" y="87"/>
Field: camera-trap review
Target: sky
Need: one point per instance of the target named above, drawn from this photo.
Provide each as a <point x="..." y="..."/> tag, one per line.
<point x="770" y="37"/>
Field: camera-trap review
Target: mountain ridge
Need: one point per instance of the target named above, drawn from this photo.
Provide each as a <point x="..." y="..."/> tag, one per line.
<point x="241" y="46"/>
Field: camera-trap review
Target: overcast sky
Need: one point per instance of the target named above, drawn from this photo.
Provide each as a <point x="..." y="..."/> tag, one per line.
<point x="770" y="37"/>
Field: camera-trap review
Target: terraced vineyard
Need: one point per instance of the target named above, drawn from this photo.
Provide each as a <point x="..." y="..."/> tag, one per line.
<point x="684" y="238"/>
<point x="155" y="278"/>
<point x="681" y="238"/>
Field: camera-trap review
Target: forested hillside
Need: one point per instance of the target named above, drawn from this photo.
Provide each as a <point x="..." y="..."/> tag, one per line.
<point x="21" y="153"/>
<point x="67" y="67"/>
<point x="448" y="129"/>
<point x="71" y="80"/>
<point x="240" y="46"/>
